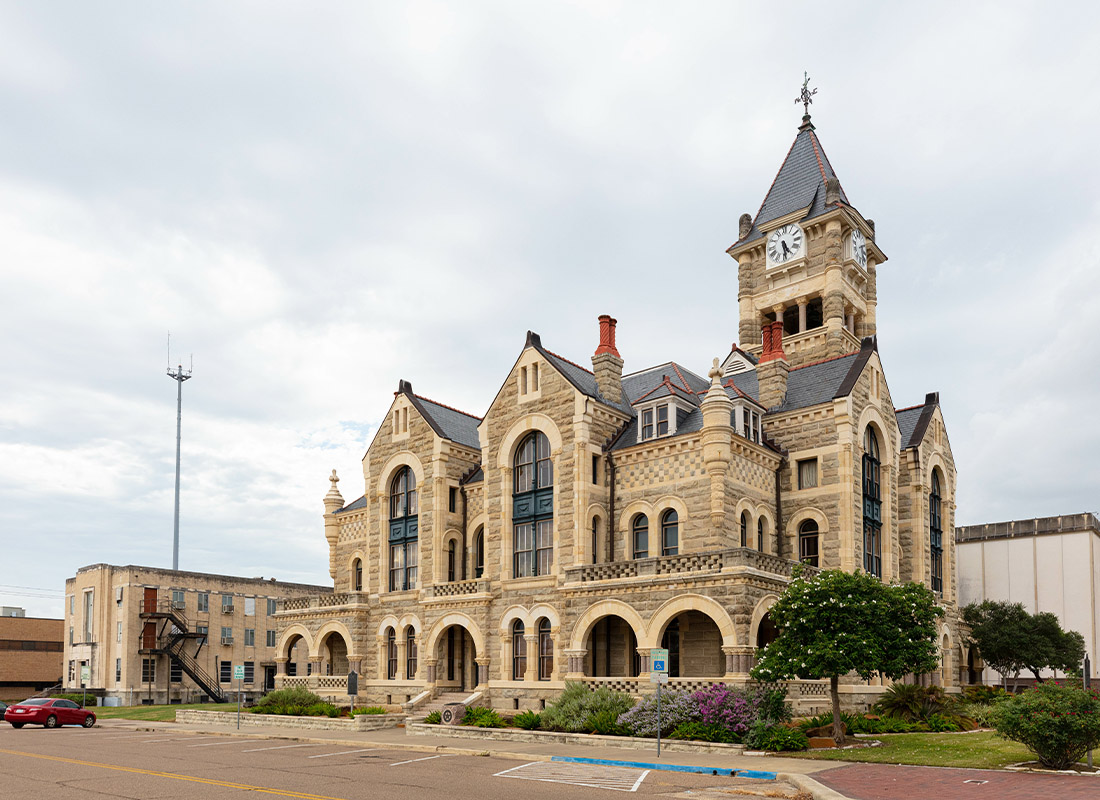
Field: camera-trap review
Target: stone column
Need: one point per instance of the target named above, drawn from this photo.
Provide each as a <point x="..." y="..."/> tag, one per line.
<point x="355" y="664"/>
<point x="575" y="670"/>
<point x="643" y="662"/>
<point x="531" y="641"/>
<point x="778" y="312"/>
<point x="401" y="662"/>
<point x="482" y="671"/>
<point x="833" y="300"/>
<point x="850" y="323"/>
<point x="731" y="660"/>
<point x="280" y="666"/>
<point x="429" y="666"/>
<point x="315" y="672"/>
<point x="383" y="658"/>
<point x="802" y="306"/>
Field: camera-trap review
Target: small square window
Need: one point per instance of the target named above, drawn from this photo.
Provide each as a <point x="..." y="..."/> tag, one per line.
<point x="662" y="420"/>
<point x="807" y="473"/>
<point x="272" y="606"/>
<point x="203" y="602"/>
<point x="647" y="424"/>
<point x="271" y="638"/>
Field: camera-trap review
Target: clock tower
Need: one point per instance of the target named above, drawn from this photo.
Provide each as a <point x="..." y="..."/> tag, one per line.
<point x="807" y="259"/>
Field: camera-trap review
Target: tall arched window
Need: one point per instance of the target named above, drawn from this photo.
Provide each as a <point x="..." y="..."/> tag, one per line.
<point x="546" y="650"/>
<point x="760" y="534"/>
<point x="479" y="553"/>
<point x="451" y="561"/>
<point x="935" y="532"/>
<point x="595" y="540"/>
<point x="519" y="651"/>
<point x="410" y="653"/>
<point x="404" y="524"/>
<point x="872" y="505"/>
<point x="391" y="654"/>
<point x="357" y="575"/>
<point x="670" y="533"/>
<point x="744" y="528"/>
<point x="807" y="543"/>
<point x="533" y="507"/>
<point x="640" y="536"/>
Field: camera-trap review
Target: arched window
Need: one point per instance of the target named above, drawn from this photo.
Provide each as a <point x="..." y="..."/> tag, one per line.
<point x="519" y="651"/>
<point x="760" y="534"/>
<point x="640" y="536"/>
<point x="670" y="533"/>
<point x="671" y="642"/>
<point x="479" y="553"/>
<point x="404" y="524"/>
<point x="533" y="507"/>
<point x="546" y="650"/>
<point x="451" y="561"/>
<point x="807" y="543"/>
<point x="410" y="653"/>
<point x="357" y="575"/>
<point x="744" y="528"/>
<point x="935" y="532"/>
<point x="391" y="654"/>
<point x="872" y="505"/>
<point x="595" y="539"/>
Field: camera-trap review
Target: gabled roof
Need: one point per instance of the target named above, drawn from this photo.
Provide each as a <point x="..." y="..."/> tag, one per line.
<point x="913" y="421"/>
<point x="637" y="385"/>
<point x="354" y="505"/>
<point x="799" y="184"/>
<point x="582" y="379"/>
<point x="477" y="476"/>
<point x="823" y="381"/>
<point x="450" y="423"/>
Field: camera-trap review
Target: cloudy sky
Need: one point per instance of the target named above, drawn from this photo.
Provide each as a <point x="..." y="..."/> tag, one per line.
<point x="318" y="199"/>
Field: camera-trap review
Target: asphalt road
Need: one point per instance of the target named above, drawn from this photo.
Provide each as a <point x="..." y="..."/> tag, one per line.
<point x="70" y="763"/>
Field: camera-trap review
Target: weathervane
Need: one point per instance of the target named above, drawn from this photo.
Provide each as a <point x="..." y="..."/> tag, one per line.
<point x="805" y="97"/>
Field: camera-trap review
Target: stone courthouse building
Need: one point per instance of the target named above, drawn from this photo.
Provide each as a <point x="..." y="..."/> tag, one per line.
<point x="590" y="515"/>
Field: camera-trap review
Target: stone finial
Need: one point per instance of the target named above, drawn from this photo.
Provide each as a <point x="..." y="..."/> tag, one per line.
<point x="832" y="191"/>
<point x="871" y="225"/>
<point x="715" y="373"/>
<point x="715" y="393"/>
<point x="335" y="480"/>
<point x="744" y="225"/>
<point x="333" y="500"/>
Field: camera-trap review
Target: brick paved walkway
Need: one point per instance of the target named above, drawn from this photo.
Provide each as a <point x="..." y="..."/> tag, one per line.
<point x="890" y="782"/>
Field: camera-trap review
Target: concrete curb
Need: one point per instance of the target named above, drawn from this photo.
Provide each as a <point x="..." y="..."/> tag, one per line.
<point x="807" y="784"/>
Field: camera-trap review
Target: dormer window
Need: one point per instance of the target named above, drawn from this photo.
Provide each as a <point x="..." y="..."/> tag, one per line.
<point x="655" y="422"/>
<point x="746" y="420"/>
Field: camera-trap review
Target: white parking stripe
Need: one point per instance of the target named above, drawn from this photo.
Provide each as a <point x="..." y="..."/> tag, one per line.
<point x="281" y="747"/>
<point x="619" y="779"/>
<point x="154" y="741"/>
<point x="229" y="741"/>
<point x="344" y="753"/>
<point x="413" y="760"/>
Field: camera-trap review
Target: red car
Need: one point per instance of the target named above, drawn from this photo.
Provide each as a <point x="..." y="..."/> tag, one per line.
<point x="48" y="711"/>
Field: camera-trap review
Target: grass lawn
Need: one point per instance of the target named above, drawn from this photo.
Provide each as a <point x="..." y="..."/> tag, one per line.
<point x="983" y="750"/>
<point x="157" y="713"/>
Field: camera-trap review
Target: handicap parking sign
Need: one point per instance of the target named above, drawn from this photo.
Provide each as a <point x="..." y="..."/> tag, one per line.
<point x="658" y="659"/>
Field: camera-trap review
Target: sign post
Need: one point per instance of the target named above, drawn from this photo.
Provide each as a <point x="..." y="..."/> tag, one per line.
<point x="238" y="676"/>
<point x="658" y="674"/>
<point x="1087" y="673"/>
<point x="353" y="689"/>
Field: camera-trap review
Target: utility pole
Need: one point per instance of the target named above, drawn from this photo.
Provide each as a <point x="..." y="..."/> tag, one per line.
<point x="179" y="375"/>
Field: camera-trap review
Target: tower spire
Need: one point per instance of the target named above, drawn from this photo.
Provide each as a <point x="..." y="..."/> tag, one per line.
<point x="805" y="97"/>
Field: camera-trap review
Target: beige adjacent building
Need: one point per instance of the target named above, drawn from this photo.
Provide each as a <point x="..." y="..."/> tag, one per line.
<point x="30" y="653"/>
<point x="587" y="515"/>
<point x="150" y="635"/>
<point x="1047" y="564"/>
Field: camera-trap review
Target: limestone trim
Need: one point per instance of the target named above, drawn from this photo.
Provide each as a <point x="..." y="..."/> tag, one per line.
<point x="763" y="606"/>
<point x="796" y="519"/>
<point x="359" y="554"/>
<point x="606" y="608"/>
<point x="506" y="451"/>
<point x="462" y="621"/>
<point x="510" y="615"/>
<point x="690" y="602"/>
<point x="288" y="637"/>
<point x="545" y="610"/>
<point x="326" y="630"/>
<point x="663" y="504"/>
<point x="626" y="520"/>
<point x="441" y="545"/>
<point x="405" y="458"/>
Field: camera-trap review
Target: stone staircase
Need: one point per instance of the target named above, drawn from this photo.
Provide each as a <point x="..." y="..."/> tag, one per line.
<point x="440" y="700"/>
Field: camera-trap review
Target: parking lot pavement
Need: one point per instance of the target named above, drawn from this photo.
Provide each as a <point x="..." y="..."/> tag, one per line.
<point x="108" y="762"/>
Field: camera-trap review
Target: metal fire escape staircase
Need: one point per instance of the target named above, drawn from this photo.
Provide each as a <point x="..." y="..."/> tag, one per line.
<point x="171" y="641"/>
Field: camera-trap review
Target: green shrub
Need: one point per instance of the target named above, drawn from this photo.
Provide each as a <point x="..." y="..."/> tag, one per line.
<point x="942" y="723"/>
<point x="575" y="710"/>
<point x="860" y="723"/>
<point x="981" y="713"/>
<point x="482" y="717"/>
<point x="527" y="720"/>
<point x="985" y="695"/>
<point x="433" y="718"/>
<point x="78" y="698"/>
<point x="296" y="696"/>
<point x="771" y="703"/>
<point x="702" y="732"/>
<point x="826" y="719"/>
<point x="780" y="737"/>
<point x="1058" y="723"/>
<point x="368" y="710"/>
<point x="605" y="722"/>
<point x="902" y="700"/>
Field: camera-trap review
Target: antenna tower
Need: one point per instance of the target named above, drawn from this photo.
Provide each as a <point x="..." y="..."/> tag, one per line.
<point x="179" y="375"/>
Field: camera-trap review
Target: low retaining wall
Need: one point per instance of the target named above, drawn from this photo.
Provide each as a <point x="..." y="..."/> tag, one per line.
<point x="555" y="737"/>
<point x="362" y="722"/>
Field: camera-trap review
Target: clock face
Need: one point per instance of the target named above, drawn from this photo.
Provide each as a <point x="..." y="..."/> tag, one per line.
<point x="859" y="248"/>
<point x="785" y="244"/>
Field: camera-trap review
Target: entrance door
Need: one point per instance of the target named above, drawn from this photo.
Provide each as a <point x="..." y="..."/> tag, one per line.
<point x="149" y="601"/>
<point x="269" y="678"/>
<point x="149" y="636"/>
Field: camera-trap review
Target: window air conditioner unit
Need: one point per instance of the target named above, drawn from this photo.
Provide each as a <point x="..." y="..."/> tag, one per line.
<point x="452" y="713"/>
<point x="178" y="604"/>
<point x="227" y="640"/>
<point x="227" y="609"/>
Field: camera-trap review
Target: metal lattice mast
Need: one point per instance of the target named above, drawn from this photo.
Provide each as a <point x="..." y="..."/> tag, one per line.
<point x="179" y="375"/>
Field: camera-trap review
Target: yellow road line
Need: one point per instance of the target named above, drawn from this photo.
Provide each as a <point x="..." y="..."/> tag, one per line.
<point x="208" y="781"/>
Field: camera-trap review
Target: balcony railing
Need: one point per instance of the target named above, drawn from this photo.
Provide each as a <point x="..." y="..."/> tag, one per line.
<point x="457" y="588"/>
<point x="710" y="562"/>
<point x="325" y="601"/>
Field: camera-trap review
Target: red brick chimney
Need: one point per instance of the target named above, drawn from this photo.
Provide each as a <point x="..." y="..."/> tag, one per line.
<point x="772" y="369"/>
<point x="607" y="364"/>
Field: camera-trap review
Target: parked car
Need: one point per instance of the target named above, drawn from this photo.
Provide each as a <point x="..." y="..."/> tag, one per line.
<point x="3" y="708"/>
<point x="51" y="712"/>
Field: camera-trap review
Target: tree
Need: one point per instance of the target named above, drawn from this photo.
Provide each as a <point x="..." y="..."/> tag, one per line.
<point x="836" y="622"/>
<point x="1010" y="639"/>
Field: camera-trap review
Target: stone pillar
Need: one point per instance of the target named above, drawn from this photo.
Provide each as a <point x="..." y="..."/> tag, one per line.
<point x="802" y="306"/>
<point x="531" y="641"/>
<point x="778" y="312"/>
<point x="717" y="447"/>
<point x="401" y="661"/>
<point x="482" y="671"/>
<point x="429" y="666"/>
<point x="355" y="664"/>
<point x="280" y="666"/>
<point x="749" y="327"/>
<point x="575" y="660"/>
<point x="850" y="323"/>
<point x="383" y="658"/>
<point x="731" y="660"/>
<point x="643" y="661"/>
<point x="555" y="671"/>
<point x="833" y="300"/>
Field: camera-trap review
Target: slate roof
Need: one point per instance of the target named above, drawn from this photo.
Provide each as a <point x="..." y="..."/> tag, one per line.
<point x="354" y="505"/>
<point x="913" y="421"/>
<point x="450" y="423"/>
<point x="640" y="384"/>
<point x="582" y="379"/>
<point x="477" y="476"/>
<point x="800" y="183"/>
<point x="907" y="423"/>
